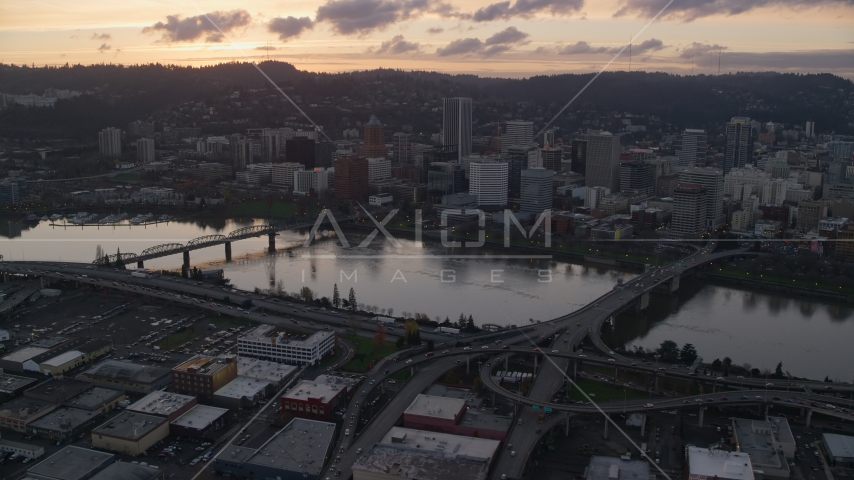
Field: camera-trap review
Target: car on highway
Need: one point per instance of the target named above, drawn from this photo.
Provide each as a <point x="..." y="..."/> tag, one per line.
<point x="648" y="405"/>
<point x="409" y="361"/>
<point x="555" y="351"/>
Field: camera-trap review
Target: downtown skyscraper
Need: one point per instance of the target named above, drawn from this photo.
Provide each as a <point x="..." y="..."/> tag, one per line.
<point x="739" y="143"/>
<point x="456" y="125"/>
<point x="603" y="161"/>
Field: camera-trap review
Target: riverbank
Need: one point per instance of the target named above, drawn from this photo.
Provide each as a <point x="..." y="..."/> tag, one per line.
<point x="734" y="276"/>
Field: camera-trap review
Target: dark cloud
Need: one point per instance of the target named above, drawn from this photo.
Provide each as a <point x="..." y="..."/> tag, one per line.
<point x="582" y="48"/>
<point x="435" y="30"/>
<point x="266" y="47"/>
<point x="525" y="9"/>
<point x="358" y="17"/>
<point x="689" y="10"/>
<point x="396" y="46"/>
<point x="700" y="49"/>
<point x="289" y="27"/>
<point x="104" y="47"/>
<point x="101" y="36"/>
<point x="508" y="35"/>
<point x="460" y="47"/>
<point x="495" y="50"/>
<point x="177" y="29"/>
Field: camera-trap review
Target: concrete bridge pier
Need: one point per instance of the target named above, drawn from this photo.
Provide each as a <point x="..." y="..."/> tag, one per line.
<point x="506" y="362"/>
<point x="642" y="303"/>
<point x="139" y="264"/>
<point x="809" y="417"/>
<point x="271" y="242"/>
<point x="702" y="410"/>
<point x="227" y="251"/>
<point x="566" y="424"/>
<point x="643" y="424"/>
<point x="187" y="259"/>
<point x="606" y="426"/>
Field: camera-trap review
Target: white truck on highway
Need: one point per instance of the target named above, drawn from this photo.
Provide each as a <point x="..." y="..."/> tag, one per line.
<point x="139" y="274"/>
<point x="448" y="330"/>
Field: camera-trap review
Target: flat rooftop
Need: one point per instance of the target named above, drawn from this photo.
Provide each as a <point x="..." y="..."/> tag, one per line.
<point x="437" y="407"/>
<point x="62" y="358"/>
<point x="95" y="398"/>
<point x="301" y="446"/>
<point x="124" y="424"/>
<point x="266" y="334"/>
<point x="59" y="389"/>
<point x="755" y="437"/>
<point x="719" y="463"/>
<point x="205" y="365"/>
<point x="452" y="446"/>
<point x="23" y="408"/>
<point x="200" y="417"/>
<point x="23" y="354"/>
<point x="305" y="389"/>
<point x="127" y="371"/>
<point x="160" y="403"/>
<point x="263" y="370"/>
<point x="336" y="381"/>
<point x="64" y="419"/>
<point x="19" y="445"/>
<point x="11" y="383"/>
<point x="439" y="390"/>
<point x="126" y="471"/>
<point x="50" y="342"/>
<point x="242" y="387"/>
<point x="404" y="462"/>
<point x="485" y="420"/>
<point x="615" y="468"/>
<point x="72" y="463"/>
<point x="841" y="446"/>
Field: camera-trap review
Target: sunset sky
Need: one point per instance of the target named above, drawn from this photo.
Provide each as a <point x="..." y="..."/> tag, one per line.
<point x="486" y="37"/>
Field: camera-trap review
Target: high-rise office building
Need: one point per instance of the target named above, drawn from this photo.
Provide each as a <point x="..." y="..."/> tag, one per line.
<point x="110" y="142"/>
<point x="739" y="144"/>
<point x="550" y="158"/>
<point x="271" y="148"/>
<point x="546" y="138"/>
<point x="515" y="166"/>
<point x="843" y="150"/>
<point x="444" y="178"/>
<point x="536" y="195"/>
<point x="603" y="161"/>
<point x="300" y="150"/>
<point x="374" y="144"/>
<point x="691" y="148"/>
<point x="351" y="178"/>
<point x="283" y="173"/>
<point x="712" y="180"/>
<point x="456" y="125"/>
<point x="578" y="156"/>
<point x="379" y="169"/>
<point x="637" y="176"/>
<point x="688" y="221"/>
<point x="241" y="151"/>
<point x="809" y="131"/>
<point x="145" y="150"/>
<point x="488" y="180"/>
<point x="517" y="133"/>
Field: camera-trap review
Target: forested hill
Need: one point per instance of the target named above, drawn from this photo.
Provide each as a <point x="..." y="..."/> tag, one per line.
<point x="121" y="94"/>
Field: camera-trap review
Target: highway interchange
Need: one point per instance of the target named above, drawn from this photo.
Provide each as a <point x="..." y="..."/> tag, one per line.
<point x="563" y="334"/>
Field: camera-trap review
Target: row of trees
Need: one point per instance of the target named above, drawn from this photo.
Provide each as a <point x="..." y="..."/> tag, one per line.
<point x="669" y="351"/>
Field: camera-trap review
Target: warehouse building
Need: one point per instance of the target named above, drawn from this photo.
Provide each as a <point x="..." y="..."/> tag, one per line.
<point x="839" y="449"/>
<point x="71" y="463"/>
<point x="130" y="433"/>
<point x="201" y="375"/>
<point x="278" y="374"/>
<point x="406" y="453"/>
<point x="448" y="414"/>
<point x="14" y="361"/>
<point x="307" y="442"/>
<point x="23" y="449"/>
<point x="200" y="421"/>
<point x="616" y="468"/>
<point x="129" y="377"/>
<point x="769" y="443"/>
<point x="713" y="464"/>
<point x="164" y="404"/>
<point x="12" y="384"/>
<point x="61" y="363"/>
<point x="17" y="414"/>
<point x="58" y="390"/>
<point x="240" y="393"/>
<point x="64" y="424"/>
<point x="308" y="399"/>
<point x="98" y="399"/>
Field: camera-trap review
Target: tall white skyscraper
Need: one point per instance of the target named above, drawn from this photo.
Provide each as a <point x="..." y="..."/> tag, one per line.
<point x="692" y="148"/>
<point x="603" y="161"/>
<point x="689" y="203"/>
<point x="488" y="180"/>
<point x="378" y="169"/>
<point x="110" y="142"/>
<point x="517" y="133"/>
<point x="809" y="131"/>
<point x="145" y="150"/>
<point x="456" y="125"/>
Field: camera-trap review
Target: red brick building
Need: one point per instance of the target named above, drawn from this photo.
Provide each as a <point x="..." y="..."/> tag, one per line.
<point x="351" y="178"/>
<point x="201" y="376"/>
<point x="313" y="400"/>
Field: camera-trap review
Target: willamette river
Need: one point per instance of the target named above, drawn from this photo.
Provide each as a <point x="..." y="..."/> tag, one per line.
<point x="811" y="337"/>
